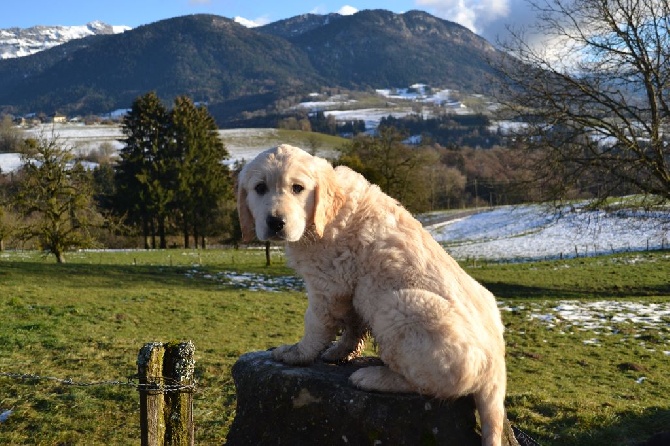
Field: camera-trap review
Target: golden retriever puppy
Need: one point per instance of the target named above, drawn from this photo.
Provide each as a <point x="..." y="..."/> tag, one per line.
<point x="368" y="265"/>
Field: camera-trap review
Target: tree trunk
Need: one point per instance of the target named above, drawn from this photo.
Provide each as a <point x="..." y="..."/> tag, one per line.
<point x="60" y="257"/>
<point x="161" y="233"/>
<point x="153" y="234"/>
<point x="196" y="234"/>
<point x="186" y="237"/>
<point x="145" y="230"/>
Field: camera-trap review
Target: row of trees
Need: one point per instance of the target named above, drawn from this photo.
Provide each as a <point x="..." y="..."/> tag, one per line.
<point x="320" y="123"/>
<point x="170" y="178"/>
<point x="171" y="170"/>
<point x="431" y="176"/>
<point x="449" y="130"/>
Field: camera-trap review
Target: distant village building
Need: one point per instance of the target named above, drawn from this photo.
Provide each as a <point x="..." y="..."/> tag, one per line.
<point x="57" y="118"/>
<point x="30" y="120"/>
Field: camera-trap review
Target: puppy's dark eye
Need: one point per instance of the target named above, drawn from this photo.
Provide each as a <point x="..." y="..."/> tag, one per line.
<point x="261" y="188"/>
<point x="297" y="188"/>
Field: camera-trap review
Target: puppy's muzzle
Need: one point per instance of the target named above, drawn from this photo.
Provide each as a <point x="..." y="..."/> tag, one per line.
<point x="275" y="225"/>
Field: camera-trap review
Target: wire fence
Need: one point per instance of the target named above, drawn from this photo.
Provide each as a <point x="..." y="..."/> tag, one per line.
<point x="162" y="369"/>
<point x="155" y="384"/>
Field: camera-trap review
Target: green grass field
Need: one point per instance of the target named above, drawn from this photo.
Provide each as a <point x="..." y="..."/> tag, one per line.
<point x="569" y="383"/>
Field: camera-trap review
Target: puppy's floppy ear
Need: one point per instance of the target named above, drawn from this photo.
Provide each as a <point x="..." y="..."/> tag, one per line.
<point x="328" y="197"/>
<point x="247" y="223"/>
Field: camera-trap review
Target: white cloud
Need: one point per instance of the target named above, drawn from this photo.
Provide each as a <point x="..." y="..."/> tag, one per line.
<point x="473" y="14"/>
<point x="488" y="18"/>
<point x="252" y="23"/>
<point x="344" y="10"/>
<point x="347" y="10"/>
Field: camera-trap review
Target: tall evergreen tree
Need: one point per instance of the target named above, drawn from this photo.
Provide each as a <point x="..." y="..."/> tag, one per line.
<point x="143" y="173"/>
<point x="202" y="178"/>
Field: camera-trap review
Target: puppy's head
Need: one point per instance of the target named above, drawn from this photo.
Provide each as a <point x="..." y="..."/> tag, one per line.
<point x="284" y="193"/>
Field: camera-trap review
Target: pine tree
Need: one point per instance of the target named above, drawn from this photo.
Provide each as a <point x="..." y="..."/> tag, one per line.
<point x="203" y="181"/>
<point x="143" y="173"/>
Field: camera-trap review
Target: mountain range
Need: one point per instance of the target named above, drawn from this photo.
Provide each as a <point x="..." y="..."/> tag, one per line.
<point x="242" y="72"/>
<point x="19" y="42"/>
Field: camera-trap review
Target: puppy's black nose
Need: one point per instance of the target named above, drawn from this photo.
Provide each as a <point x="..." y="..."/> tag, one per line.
<point x="275" y="223"/>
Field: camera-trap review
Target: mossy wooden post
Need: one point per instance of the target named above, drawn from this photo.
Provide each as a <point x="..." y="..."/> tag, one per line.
<point x="166" y="394"/>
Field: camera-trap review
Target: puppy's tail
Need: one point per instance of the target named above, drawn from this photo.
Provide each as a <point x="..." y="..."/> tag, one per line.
<point x="490" y="403"/>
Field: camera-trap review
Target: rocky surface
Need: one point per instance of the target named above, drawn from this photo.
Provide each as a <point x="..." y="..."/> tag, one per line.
<point x="279" y="404"/>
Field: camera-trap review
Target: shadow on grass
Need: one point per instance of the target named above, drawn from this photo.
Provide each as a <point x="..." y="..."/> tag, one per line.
<point x="518" y="291"/>
<point x="112" y="276"/>
<point x="631" y="429"/>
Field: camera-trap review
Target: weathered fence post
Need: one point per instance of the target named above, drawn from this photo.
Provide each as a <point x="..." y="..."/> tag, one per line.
<point x="166" y="393"/>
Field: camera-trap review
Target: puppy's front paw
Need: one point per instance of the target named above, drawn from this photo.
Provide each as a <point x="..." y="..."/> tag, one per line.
<point x="340" y="353"/>
<point x="292" y="354"/>
<point x="380" y="379"/>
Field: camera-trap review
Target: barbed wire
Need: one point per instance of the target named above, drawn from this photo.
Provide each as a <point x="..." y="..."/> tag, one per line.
<point x="155" y="384"/>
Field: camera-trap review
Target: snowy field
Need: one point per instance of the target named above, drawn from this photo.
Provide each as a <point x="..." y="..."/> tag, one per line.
<point x="533" y="232"/>
<point x="242" y="144"/>
<point x="80" y="138"/>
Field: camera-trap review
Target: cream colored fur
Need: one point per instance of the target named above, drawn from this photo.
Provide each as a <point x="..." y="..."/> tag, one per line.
<point x="369" y="265"/>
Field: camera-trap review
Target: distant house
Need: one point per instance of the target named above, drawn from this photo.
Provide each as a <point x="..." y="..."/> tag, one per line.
<point x="57" y="118"/>
<point x="27" y="121"/>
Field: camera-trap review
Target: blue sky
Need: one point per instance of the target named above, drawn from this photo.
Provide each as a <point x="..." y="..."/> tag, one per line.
<point x="485" y="17"/>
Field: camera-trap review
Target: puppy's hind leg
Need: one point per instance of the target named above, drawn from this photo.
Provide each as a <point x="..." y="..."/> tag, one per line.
<point x="491" y="407"/>
<point x="351" y="342"/>
<point x="380" y="379"/>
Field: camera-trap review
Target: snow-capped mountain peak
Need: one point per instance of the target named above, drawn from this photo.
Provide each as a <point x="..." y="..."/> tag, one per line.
<point x="18" y="42"/>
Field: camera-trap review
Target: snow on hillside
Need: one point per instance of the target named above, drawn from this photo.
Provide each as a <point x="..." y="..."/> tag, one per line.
<point x="534" y="232"/>
<point x="343" y="108"/>
<point x="243" y="144"/>
<point x="19" y="42"/>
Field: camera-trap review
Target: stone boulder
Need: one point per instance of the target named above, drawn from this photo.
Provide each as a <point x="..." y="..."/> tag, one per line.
<point x="278" y="404"/>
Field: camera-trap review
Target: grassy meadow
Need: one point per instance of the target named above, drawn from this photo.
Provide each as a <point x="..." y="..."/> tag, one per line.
<point x="87" y="319"/>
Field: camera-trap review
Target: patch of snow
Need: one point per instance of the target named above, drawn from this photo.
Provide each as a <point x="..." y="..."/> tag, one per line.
<point x="601" y="317"/>
<point x="251" y="281"/>
<point x="10" y="162"/>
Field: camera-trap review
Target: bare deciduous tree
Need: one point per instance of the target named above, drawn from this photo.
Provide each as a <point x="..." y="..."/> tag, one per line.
<point x="55" y="199"/>
<point x="593" y="79"/>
